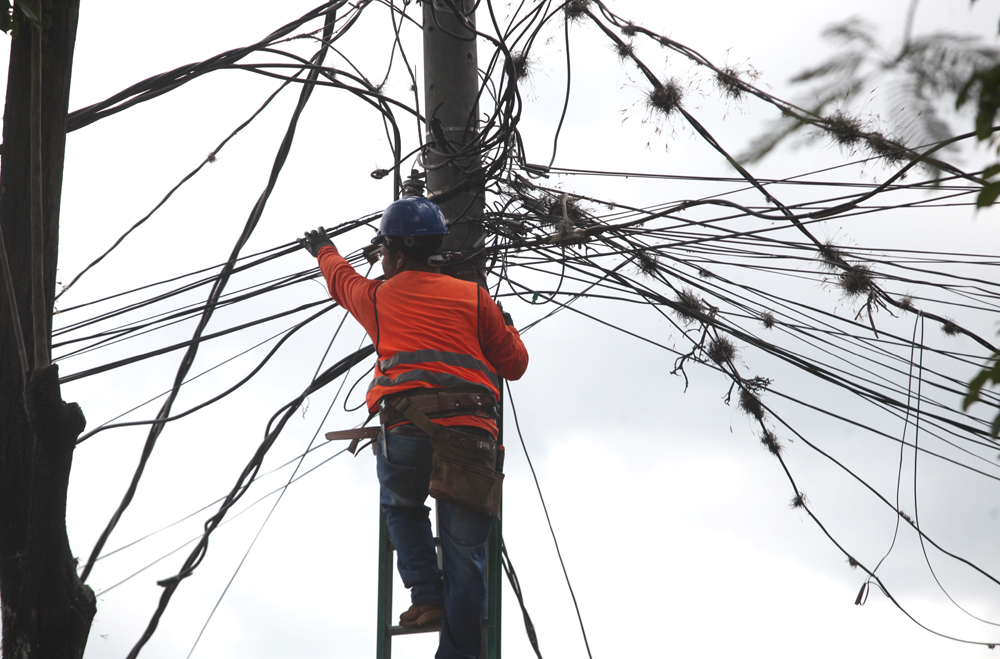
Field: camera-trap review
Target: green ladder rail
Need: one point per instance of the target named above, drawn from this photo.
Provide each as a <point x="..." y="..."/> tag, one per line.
<point x="386" y="574"/>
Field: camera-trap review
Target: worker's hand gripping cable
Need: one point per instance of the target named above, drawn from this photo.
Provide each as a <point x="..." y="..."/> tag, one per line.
<point x="315" y="240"/>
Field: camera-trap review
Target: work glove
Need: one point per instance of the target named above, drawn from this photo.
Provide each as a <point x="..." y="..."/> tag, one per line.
<point x="315" y="241"/>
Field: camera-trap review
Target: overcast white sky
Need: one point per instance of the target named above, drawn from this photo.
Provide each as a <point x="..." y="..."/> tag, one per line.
<point x="672" y="520"/>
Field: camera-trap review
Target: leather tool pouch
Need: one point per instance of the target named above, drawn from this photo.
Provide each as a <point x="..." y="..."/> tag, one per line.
<point x="463" y="471"/>
<point x="463" y="466"/>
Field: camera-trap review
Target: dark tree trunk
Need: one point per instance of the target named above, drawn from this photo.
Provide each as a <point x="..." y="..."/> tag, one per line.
<point x="47" y="611"/>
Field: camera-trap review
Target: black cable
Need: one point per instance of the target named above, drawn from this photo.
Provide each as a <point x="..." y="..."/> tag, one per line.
<point x="684" y="235"/>
<point x="916" y="507"/>
<point x="538" y="487"/>
<point x="227" y="520"/>
<point x="562" y="116"/>
<point x="242" y="485"/>
<point x="291" y="479"/>
<point x="165" y="82"/>
<point x="190" y="343"/>
<point x="209" y="159"/>
<point x="287" y="335"/>
<point x="217" y="289"/>
<point x="209" y="505"/>
<point x="515" y="585"/>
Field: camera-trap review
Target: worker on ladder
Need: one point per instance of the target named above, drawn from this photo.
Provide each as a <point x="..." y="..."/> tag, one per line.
<point x="442" y="346"/>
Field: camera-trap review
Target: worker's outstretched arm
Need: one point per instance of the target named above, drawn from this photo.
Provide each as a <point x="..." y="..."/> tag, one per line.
<point x="501" y="342"/>
<point x="349" y="289"/>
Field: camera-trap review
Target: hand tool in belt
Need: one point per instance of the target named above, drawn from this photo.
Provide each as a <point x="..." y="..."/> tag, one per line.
<point x="355" y="435"/>
<point x="430" y="404"/>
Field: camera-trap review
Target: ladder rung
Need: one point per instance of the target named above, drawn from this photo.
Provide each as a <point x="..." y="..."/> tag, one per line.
<point x="397" y="630"/>
<point x="437" y="544"/>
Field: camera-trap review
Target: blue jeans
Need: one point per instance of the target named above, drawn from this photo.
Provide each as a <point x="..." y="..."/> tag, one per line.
<point x="404" y="470"/>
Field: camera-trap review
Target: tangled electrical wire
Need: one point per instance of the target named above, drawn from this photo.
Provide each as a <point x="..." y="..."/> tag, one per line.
<point x="733" y="274"/>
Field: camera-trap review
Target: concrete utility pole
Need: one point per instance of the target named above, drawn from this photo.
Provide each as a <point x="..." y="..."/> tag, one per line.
<point x="451" y="93"/>
<point x="451" y="88"/>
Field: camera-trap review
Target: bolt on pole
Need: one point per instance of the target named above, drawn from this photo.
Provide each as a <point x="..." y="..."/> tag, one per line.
<point x="452" y="160"/>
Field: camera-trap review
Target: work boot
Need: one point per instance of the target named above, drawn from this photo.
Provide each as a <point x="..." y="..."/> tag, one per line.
<point x="419" y="615"/>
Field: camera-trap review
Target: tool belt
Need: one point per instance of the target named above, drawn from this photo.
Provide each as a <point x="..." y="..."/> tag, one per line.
<point x="440" y="403"/>
<point x="434" y="403"/>
<point x="464" y="467"/>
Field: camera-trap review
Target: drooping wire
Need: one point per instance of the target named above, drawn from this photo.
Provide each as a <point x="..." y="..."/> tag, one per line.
<point x="682" y="237"/>
<point x="515" y="585"/>
<point x="242" y="485"/>
<point x="291" y="479"/>
<point x="213" y="298"/>
<point x="552" y="531"/>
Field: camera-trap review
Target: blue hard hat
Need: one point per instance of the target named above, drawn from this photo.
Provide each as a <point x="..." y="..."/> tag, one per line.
<point x="411" y="216"/>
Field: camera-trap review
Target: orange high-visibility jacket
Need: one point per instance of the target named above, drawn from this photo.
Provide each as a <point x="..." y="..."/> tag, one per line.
<point x="430" y="331"/>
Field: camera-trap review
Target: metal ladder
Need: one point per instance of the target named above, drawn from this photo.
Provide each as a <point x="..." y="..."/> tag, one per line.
<point x="494" y="578"/>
